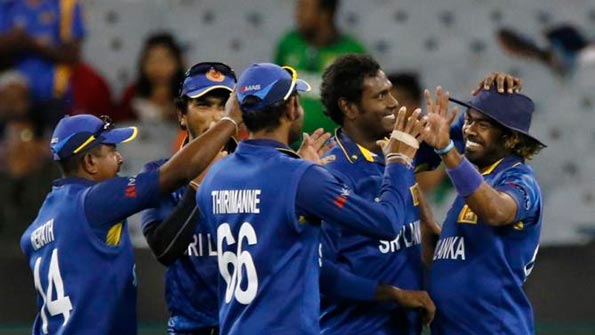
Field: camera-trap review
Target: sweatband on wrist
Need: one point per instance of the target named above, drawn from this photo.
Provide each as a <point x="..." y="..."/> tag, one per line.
<point x="465" y="178"/>
<point x="446" y="149"/>
<point x="405" y="138"/>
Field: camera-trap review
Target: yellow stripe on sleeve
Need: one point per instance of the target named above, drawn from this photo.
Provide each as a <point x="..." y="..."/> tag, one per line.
<point x="114" y="234"/>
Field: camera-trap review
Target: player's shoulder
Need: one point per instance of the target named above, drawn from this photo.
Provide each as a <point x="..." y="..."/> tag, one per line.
<point x="519" y="173"/>
<point x="335" y="157"/>
<point x="518" y="169"/>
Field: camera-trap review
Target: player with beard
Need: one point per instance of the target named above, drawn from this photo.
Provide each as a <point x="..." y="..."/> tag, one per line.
<point x="490" y="237"/>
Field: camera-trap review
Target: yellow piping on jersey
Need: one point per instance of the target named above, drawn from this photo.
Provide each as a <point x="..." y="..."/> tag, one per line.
<point x="368" y="155"/>
<point x="114" y="234"/>
<point x="491" y="168"/>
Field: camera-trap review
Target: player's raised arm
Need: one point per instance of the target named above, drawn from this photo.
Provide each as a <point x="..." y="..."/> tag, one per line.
<point x="321" y="195"/>
<point x="196" y="156"/>
<point x="493" y="206"/>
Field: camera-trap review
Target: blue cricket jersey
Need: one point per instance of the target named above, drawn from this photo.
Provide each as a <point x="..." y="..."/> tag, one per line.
<point x="395" y="262"/>
<point x="85" y="285"/>
<point x="51" y="22"/>
<point x="259" y="202"/>
<point x="191" y="281"/>
<point x="478" y="270"/>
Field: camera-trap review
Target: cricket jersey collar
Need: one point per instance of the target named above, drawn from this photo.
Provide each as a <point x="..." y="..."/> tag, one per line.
<point x="271" y="144"/>
<point x="508" y="161"/>
<point x="354" y="152"/>
<point x="72" y="181"/>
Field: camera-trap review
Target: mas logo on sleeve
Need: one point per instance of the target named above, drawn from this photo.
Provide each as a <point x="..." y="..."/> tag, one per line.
<point x="341" y="199"/>
<point x="130" y="190"/>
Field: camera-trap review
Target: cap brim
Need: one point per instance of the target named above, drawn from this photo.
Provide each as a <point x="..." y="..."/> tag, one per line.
<point x="302" y="86"/>
<point x="199" y="93"/>
<point x="119" y="135"/>
<point x="468" y="105"/>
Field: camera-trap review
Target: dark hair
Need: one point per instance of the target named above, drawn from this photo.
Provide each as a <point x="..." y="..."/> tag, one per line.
<point x="329" y="5"/>
<point x="182" y="102"/>
<point x="268" y="118"/>
<point x="143" y="85"/>
<point x="70" y="165"/>
<point x="408" y="83"/>
<point x="520" y="144"/>
<point x="345" y="79"/>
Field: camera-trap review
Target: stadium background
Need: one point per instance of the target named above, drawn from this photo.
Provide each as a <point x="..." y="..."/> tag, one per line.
<point x="448" y="42"/>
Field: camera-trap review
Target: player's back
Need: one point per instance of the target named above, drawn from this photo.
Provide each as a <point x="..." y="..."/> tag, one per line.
<point x="268" y="260"/>
<point x="83" y="285"/>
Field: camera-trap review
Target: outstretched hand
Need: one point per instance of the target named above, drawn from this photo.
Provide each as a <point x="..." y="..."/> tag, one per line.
<point x="406" y="135"/>
<point x="503" y="81"/>
<point x="314" y="146"/>
<point x="439" y="119"/>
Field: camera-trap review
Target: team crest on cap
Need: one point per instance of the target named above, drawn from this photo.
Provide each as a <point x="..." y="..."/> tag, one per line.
<point x="214" y="75"/>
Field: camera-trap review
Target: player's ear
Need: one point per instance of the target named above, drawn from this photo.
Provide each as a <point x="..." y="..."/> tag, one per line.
<point x="181" y="119"/>
<point x="89" y="163"/>
<point x="349" y="109"/>
<point x="181" y="110"/>
<point x="292" y="110"/>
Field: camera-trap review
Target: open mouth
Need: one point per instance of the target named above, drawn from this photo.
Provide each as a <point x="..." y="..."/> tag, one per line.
<point x="472" y="145"/>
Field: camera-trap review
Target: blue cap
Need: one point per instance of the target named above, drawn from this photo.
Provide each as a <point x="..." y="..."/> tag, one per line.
<point x="75" y="134"/>
<point x="203" y="78"/>
<point x="512" y="111"/>
<point x="270" y="83"/>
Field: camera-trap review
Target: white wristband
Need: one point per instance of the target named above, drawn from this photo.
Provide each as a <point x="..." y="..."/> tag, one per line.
<point x="405" y="138"/>
<point x="232" y="121"/>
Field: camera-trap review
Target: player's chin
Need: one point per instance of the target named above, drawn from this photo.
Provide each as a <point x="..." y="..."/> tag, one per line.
<point x="472" y="154"/>
<point x="388" y="122"/>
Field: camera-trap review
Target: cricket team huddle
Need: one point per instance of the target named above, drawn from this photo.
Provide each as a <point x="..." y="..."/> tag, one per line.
<point x="281" y="232"/>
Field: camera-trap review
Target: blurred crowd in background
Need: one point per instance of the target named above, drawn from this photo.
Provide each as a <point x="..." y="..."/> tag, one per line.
<point x="44" y="76"/>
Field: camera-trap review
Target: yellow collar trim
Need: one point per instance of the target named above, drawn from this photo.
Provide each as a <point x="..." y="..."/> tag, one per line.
<point x="491" y="168"/>
<point x="368" y="155"/>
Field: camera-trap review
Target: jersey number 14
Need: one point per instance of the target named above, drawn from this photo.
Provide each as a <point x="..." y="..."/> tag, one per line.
<point x="54" y="298"/>
<point x="240" y="260"/>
